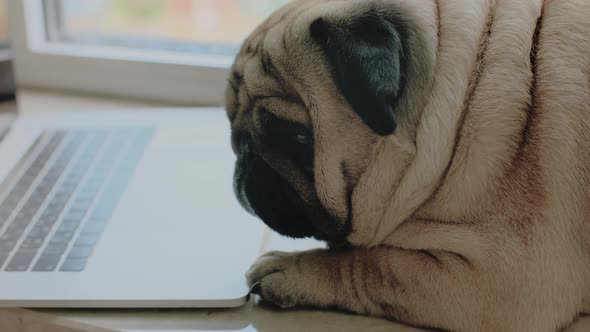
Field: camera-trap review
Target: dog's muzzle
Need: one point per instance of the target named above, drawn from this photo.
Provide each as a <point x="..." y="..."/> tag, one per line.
<point x="264" y="193"/>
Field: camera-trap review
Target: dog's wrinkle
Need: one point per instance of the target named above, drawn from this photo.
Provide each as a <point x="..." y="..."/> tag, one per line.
<point x="233" y="112"/>
<point x="266" y="63"/>
<point x="288" y="98"/>
<point x="437" y="255"/>
<point x="234" y="81"/>
<point x="352" y="272"/>
<point x="349" y="192"/>
<point x="269" y="69"/>
<point x="464" y="259"/>
<point x="254" y="46"/>
<point x="390" y="194"/>
<point x="438" y="26"/>
<point x="233" y="85"/>
<point x="257" y="47"/>
<point x="433" y="220"/>
<point x="431" y="255"/>
<point x="236" y="78"/>
<point x="289" y="34"/>
<point x="525" y="163"/>
<point x="348" y="176"/>
<point x="533" y="102"/>
<point x="472" y="89"/>
<point x="249" y="98"/>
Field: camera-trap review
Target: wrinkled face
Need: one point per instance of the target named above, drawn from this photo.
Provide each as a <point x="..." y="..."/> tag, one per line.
<point x="312" y="93"/>
<point x="273" y="138"/>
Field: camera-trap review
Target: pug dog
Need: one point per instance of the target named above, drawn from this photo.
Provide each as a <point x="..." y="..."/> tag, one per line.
<point x="440" y="147"/>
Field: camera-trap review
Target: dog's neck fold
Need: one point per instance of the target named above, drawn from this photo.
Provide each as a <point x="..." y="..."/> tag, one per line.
<point x="413" y="174"/>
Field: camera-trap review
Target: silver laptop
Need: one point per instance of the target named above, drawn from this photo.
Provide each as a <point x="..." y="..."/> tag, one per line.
<point x="125" y="210"/>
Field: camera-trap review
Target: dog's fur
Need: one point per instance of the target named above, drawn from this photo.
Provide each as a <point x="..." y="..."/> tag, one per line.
<point x="461" y="199"/>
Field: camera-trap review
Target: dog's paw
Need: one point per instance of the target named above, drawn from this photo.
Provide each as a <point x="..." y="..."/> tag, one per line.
<point x="276" y="278"/>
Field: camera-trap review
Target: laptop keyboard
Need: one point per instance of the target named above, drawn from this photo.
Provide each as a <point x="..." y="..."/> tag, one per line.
<point x="59" y="198"/>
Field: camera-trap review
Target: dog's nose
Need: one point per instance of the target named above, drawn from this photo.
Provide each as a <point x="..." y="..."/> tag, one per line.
<point x="267" y="195"/>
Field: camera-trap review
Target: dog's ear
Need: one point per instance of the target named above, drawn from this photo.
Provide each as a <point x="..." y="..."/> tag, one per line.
<point x="366" y="58"/>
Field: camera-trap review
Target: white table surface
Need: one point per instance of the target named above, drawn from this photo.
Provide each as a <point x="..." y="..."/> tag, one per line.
<point x="251" y="317"/>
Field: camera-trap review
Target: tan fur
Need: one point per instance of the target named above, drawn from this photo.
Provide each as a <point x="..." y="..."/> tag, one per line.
<point x="474" y="215"/>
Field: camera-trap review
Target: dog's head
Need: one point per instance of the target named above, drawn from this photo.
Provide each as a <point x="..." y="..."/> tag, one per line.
<point x="312" y="93"/>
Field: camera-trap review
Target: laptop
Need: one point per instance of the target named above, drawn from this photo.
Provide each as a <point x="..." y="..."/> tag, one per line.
<point x="124" y="210"/>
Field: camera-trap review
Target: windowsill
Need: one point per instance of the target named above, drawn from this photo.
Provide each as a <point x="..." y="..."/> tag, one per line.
<point x="32" y="100"/>
<point x="35" y="100"/>
<point x="107" y="52"/>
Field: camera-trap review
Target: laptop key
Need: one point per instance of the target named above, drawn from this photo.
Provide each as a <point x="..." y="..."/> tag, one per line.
<point x="69" y="226"/>
<point x="73" y="265"/>
<point x="54" y="249"/>
<point x="47" y="220"/>
<point x="39" y="232"/>
<point x="80" y="252"/>
<point x="87" y="239"/>
<point x="6" y="237"/>
<point x="94" y="227"/>
<point x="74" y="215"/>
<point x="62" y="237"/>
<point x="54" y="206"/>
<point x="3" y="258"/>
<point x="22" y="217"/>
<point x="20" y="261"/>
<point x="7" y="245"/>
<point x="5" y="214"/>
<point x="32" y="243"/>
<point x="82" y="204"/>
<point x="47" y="263"/>
<point x="14" y="230"/>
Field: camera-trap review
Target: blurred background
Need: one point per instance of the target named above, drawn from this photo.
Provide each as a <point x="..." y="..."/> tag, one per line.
<point x="123" y="46"/>
<point x="179" y="25"/>
<point x="210" y="21"/>
<point x="3" y="24"/>
<point x="6" y="73"/>
<point x="197" y="21"/>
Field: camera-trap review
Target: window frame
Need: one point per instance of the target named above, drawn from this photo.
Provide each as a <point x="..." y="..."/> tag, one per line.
<point x="168" y="77"/>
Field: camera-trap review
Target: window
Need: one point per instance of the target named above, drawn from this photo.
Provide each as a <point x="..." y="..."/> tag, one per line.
<point x="168" y="50"/>
<point x="194" y="26"/>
